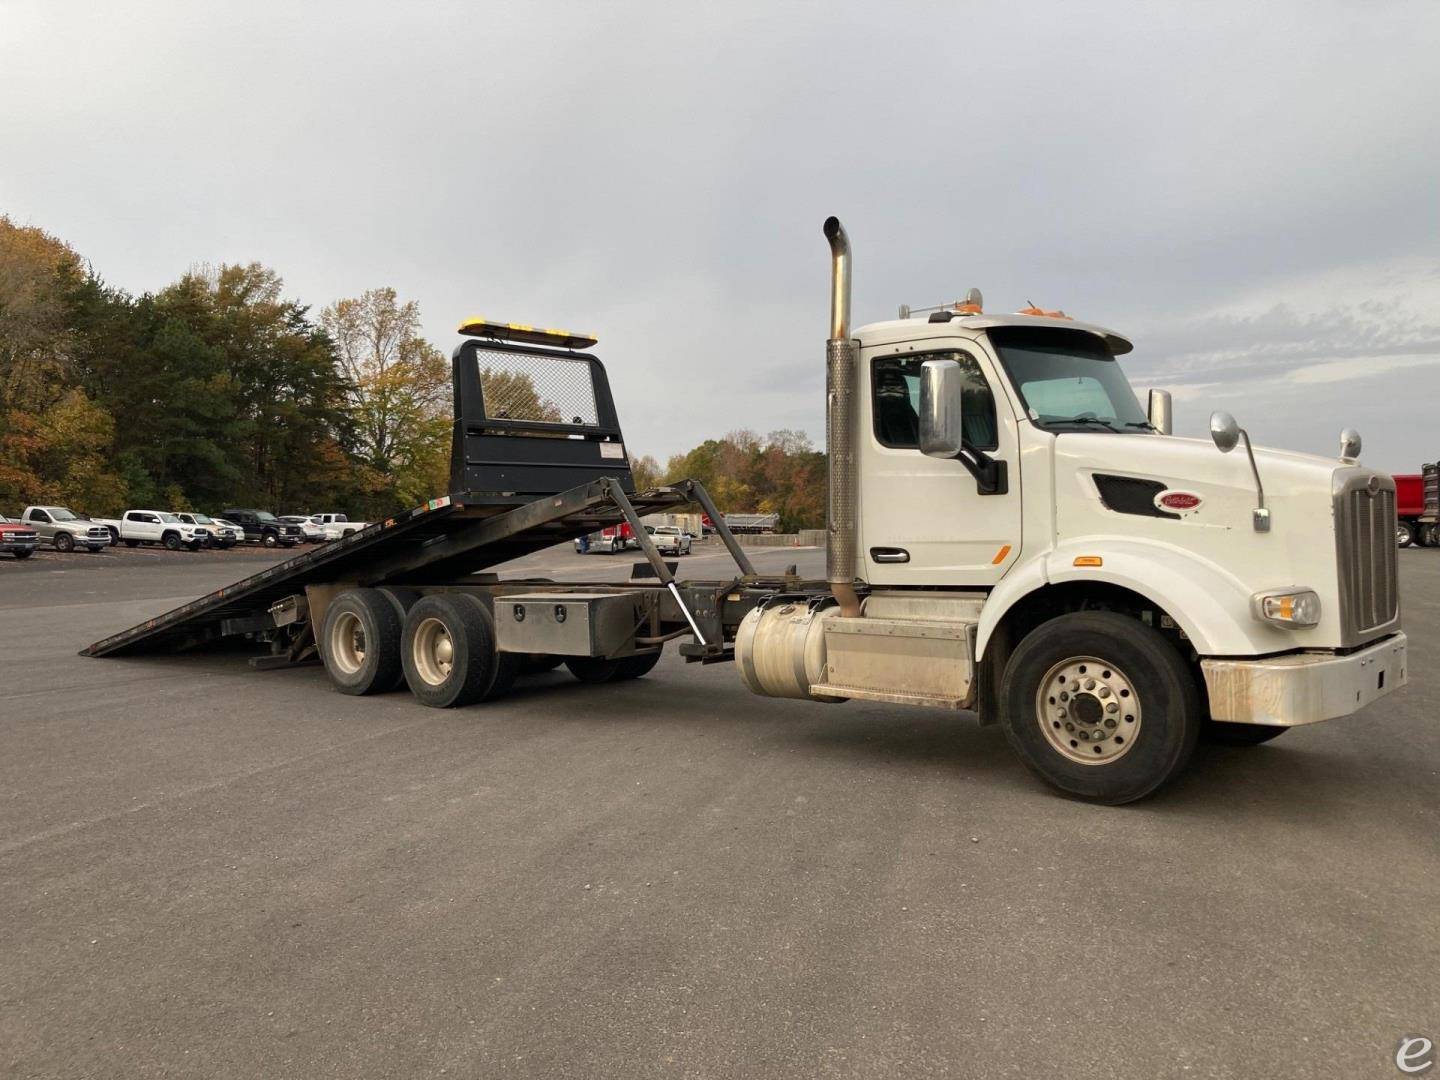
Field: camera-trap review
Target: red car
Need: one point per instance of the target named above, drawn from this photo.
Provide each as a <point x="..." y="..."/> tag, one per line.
<point x="17" y="538"/>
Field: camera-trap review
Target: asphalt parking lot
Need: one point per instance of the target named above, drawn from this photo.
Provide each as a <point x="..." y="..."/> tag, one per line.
<point x="207" y="871"/>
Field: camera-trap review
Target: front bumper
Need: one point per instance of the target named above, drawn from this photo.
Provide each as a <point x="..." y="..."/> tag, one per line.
<point x="1303" y="688"/>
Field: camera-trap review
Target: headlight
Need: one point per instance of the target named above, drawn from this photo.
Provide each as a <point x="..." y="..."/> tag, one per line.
<point x="1292" y="609"/>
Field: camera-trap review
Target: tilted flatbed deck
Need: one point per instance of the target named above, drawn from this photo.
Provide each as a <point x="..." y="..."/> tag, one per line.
<point x="444" y="540"/>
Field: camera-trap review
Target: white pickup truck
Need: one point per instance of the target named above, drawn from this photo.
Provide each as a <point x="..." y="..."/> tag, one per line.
<point x="335" y="525"/>
<point x="66" y="530"/>
<point x="136" y="527"/>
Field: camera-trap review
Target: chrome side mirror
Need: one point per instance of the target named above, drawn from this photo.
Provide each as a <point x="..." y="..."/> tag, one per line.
<point x="942" y="386"/>
<point x="1349" y="444"/>
<point x="1225" y="431"/>
<point x="1227" y="435"/>
<point x="1161" y="417"/>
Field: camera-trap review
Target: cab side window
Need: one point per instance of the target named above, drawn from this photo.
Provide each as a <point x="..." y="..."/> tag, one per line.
<point x="895" y="400"/>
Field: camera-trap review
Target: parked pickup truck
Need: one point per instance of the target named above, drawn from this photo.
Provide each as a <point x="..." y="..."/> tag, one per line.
<point x="669" y="539"/>
<point x="310" y="530"/>
<point x="264" y="527"/>
<point x="66" y="530"/>
<point x="136" y="527"/>
<point x="336" y="526"/>
<point x="221" y="534"/>
<point x="17" y="538"/>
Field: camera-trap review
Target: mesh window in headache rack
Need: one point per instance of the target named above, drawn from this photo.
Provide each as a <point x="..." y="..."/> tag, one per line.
<point x="550" y="389"/>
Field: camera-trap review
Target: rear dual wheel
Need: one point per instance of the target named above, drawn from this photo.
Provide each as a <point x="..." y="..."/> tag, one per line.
<point x="595" y="669"/>
<point x="360" y="642"/>
<point x="448" y="652"/>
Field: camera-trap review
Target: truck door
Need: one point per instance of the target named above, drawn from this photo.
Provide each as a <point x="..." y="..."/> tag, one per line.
<point x="922" y="521"/>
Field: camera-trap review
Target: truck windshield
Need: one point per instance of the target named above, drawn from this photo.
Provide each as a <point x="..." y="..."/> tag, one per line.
<point x="264" y="515"/>
<point x="61" y="514"/>
<point x="1068" y="380"/>
<point x="169" y="519"/>
<point x="201" y="519"/>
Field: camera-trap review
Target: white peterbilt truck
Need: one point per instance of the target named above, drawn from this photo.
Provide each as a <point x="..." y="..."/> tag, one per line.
<point x="1008" y="532"/>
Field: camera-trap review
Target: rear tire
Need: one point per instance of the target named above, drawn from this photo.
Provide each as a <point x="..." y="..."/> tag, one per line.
<point x="1100" y="706"/>
<point x="637" y="667"/>
<point x="1227" y="734"/>
<point x="1404" y="534"/>
<point x="64" y="542"/>
<point x="360" y="643"/>
<point x="593" y="669"/>
<point x="449" y="653"/>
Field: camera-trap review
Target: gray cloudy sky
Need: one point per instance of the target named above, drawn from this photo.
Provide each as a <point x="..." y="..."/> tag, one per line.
<point x="1249" y="190"/>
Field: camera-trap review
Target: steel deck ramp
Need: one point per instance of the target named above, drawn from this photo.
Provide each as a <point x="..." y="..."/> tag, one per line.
<point x="446" y="539"/>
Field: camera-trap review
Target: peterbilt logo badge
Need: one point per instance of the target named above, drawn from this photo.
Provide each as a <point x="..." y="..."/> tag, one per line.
<point x="1178" y="502"/>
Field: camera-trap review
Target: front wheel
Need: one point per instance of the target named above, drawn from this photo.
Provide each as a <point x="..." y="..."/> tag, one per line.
<point x="1228" y="734"/>
<point x="270" y="540"/>
<point x="171" y="541"/>
<point x="64" y="542"/>
<point x="23" y="553"/>
<point x="1404" y="534"/>
<point x="1100" y="706"/>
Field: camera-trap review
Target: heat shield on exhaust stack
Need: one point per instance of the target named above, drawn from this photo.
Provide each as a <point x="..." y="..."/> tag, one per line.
<point x="841" y="363"/>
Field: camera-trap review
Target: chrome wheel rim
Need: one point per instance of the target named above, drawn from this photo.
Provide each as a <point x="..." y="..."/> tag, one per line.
<point x="433" y="651"/>
<point x="347" y="641"/>
<point x="1088" y="710"/>
<point x="1401" y="534"/>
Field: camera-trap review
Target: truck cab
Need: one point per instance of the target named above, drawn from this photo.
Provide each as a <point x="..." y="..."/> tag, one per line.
<point x="1011" y="531"/>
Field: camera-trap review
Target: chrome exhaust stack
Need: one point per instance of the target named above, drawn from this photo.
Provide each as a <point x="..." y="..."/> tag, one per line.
<point x="841" y="365"/>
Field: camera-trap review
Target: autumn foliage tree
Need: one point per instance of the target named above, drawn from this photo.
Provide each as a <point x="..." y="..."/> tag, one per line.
<point x="398" y="389"/>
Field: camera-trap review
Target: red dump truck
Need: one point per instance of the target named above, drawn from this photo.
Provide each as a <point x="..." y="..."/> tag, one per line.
<point x="1416" y="507"/>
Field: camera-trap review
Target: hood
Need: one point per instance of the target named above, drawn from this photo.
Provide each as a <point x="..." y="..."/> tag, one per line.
<point x="1184" y="495"/>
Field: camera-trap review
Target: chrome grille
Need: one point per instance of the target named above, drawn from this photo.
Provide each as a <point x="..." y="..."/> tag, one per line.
<point x="1365" y="538"/>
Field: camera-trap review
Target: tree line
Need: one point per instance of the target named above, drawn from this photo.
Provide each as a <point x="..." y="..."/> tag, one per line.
<point x="780" y="473"/>
<point x="218" y="390"/>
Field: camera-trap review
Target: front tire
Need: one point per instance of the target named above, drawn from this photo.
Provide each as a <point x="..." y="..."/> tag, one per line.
<point x="1100" y="706"/>
<point x="64" y="542"/>
<point x="360" y="643"/>
<point x="171" y="541"/>
<point x="1228" y="734"/>
<point x="24" y="554"/>
<point x="1404" y="534"/>
<point x="269" y="540"/>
